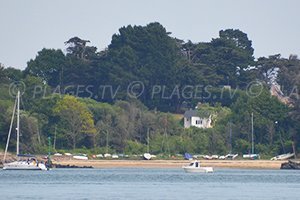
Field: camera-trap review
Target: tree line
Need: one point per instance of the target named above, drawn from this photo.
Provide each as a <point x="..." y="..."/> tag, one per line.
<point x="104" y="116"/>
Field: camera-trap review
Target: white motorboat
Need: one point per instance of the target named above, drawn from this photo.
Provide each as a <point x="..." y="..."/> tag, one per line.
<point x="24" y="162"/>
<point x="194" y="167"/>
<point x="283" y="156"/>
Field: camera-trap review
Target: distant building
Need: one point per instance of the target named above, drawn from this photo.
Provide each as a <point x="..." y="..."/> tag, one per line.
<point x="192" y="118"/>
<point x="227" y="87"/>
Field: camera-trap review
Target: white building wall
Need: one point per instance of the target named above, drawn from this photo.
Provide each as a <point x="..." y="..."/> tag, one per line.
<point x="187" y="122"/>
<point x="197" y="122"/>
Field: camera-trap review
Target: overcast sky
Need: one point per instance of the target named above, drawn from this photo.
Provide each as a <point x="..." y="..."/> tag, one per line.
<point x="28" y="26"/>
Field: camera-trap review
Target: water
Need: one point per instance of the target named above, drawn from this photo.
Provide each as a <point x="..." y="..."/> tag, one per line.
<point x="146" y="184"/>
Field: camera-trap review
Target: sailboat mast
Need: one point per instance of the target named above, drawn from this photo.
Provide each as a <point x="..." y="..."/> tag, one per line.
<point x="252" y="136"/>
<point x="18" y="122"/>
<point x="148" y="149"/>
<point x="106" y="141"/>
<point x="230" y="137"/>
<point x="10" y="128"/>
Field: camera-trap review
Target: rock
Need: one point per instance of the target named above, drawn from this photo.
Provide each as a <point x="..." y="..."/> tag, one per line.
<point x="70" y="166"/>
<point x="290" y="165"/>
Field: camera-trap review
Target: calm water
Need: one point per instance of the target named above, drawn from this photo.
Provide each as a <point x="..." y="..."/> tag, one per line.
<point x="150" y="184"/>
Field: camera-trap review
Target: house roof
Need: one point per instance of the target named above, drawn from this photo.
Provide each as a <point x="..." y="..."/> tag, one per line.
<point x="191" y="113"/>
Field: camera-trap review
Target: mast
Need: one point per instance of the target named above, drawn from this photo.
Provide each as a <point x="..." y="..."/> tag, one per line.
<point x="252" y="137"/>
<point x="54" y="141"/>
<point x="10" y="128"/>
<point x="106" y="141"/>
<point x="18" y="122"/>
<point x="230" y="137"/>
<point x="148" y="149"/>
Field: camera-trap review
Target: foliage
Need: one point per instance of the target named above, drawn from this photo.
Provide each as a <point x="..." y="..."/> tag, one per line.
<point x="75" y="116"/>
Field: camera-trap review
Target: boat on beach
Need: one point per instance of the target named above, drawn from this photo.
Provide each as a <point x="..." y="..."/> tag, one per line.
<point x="81" y="157"/>
<point x="188" y="156"/>
<point x="147" y="156"/>
<point x="228" y="157"/>
<point x="23" y="162"/>
<point x="194" y="167"/>
<point x="251" y="156"/>
<point x="283" y="156"/>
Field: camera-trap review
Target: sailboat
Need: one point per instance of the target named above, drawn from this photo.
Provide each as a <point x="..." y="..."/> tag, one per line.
<point x="147" y="156"/>
<point x="230" y="156"/>
<point x="252" y="156"/>
<point x="24" y="162"/>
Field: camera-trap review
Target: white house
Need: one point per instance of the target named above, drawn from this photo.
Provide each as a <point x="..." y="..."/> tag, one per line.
<point x="191" y="118"/>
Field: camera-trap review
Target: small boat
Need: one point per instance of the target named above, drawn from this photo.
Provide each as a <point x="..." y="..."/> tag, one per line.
<point x="107" y="155"/>
<point x="283" y="156"/>
<point x="114" y="156"/>
<point x="188" y="156"/>
<point x="212" y="157"/>
<point x="231" y="156"/>
<point x="251" y="156"/>
<point x="99" y="156"/>
<point x="81" y="157"/>
<point x="194" y="167"/>
<point x="147" y="156"/>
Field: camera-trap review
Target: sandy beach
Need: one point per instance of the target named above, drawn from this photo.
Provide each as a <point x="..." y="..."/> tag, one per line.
<point x="244" y="164"/>
<point x="118" y="163"/>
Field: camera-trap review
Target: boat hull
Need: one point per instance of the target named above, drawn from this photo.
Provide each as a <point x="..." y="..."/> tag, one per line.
<point x="81" y="157"/>
<point x="198" y="169"/>
<point x="17" y="165"/>
<point x="147" y="156"/>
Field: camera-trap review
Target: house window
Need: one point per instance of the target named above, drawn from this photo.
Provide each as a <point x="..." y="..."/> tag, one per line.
<point x="198" y="121"/>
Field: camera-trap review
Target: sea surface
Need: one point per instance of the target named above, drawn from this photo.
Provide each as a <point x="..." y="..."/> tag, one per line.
<point x="131" y="183"/>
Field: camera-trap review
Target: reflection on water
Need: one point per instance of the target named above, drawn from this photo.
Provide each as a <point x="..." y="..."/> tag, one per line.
<point x="149" y="184"/>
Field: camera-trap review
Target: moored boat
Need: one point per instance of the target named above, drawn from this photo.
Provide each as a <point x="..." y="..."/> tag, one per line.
<point x="194" y="167"/>
<point x="24" y="162"/>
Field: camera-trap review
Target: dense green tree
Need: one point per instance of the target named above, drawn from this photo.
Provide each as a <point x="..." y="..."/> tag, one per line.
<point x="13" y="74"/>
<point x="48" y="65"/>
<point x="77" y="47"/>
<point x="2" y="74"/>
<point x="76" y="118"/>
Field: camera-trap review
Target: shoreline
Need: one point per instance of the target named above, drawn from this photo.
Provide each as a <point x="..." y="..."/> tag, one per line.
<point x="238" y="164"/>
<point x="157" y="163"/>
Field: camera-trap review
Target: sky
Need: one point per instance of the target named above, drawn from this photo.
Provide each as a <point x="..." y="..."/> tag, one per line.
<point x="27" y="27"/>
